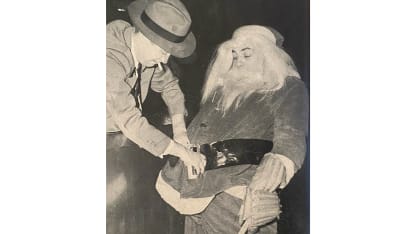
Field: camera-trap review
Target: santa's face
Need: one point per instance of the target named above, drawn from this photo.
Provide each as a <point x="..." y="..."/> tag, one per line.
<point x="244" y="65"/>
<point x="244" y="58"/>
<point x="247" y="66"/>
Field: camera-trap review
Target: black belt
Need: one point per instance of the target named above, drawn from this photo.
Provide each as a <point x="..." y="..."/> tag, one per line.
<point x="231" y="152"/>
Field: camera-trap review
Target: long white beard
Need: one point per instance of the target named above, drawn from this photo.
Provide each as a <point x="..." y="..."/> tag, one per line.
<point x="238" y="86"/>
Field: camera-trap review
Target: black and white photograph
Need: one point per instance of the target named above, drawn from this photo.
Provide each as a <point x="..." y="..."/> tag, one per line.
<point x="207" y="123"/>
<point x="220" y="116"/>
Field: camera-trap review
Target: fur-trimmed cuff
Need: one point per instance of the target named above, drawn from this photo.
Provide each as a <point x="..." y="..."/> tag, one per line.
<point x="289" y="167"/>
<point x="185" y="206"/>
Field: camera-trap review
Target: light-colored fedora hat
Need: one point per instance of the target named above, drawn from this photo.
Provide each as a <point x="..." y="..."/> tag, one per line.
<point x="166" y="23"/>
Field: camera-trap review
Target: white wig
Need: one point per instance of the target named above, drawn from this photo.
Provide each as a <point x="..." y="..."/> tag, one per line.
<point x="278" y="64"/>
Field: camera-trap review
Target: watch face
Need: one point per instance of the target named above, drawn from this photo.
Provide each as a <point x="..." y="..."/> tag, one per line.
<point x="235" y="152"/>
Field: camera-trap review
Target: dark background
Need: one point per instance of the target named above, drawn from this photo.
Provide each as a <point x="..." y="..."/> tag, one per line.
<point x="213" y="22"/>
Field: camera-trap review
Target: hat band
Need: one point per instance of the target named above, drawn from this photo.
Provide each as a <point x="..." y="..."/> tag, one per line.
<point x="161" y="31"/>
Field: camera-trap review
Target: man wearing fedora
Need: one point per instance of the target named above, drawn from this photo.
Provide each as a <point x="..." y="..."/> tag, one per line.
<point x="136" y="62"/>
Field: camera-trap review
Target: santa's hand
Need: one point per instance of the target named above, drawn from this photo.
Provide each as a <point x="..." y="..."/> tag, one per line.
<point x="270" y="174"/>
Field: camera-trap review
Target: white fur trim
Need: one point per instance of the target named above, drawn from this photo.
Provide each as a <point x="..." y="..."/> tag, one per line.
<point x="250" y="30"/>
<point x="186" y="206"/>
<point x="240" y="191"/>
<point x="289" y="166"/>
<point x="237" y="191"/>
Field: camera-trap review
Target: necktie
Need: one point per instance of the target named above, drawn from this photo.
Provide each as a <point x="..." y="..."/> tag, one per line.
<point x="136" y="90"/>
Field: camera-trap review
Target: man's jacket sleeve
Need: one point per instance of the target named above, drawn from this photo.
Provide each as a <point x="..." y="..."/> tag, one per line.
<point x="129" y="119"/>
<point x="168" y="85"/>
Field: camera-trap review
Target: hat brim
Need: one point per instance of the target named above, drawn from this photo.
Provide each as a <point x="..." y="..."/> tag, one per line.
<point x="180" y="50"/>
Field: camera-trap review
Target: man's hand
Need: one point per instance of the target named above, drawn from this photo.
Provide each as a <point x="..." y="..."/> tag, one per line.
<point x="189" y="157"/>
<point x="194" y="161"/>
<point x="270" y="174"/>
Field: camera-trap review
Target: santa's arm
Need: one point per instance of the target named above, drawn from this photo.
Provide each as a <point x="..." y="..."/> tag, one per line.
<point x="289" y="141"/>
<point x="291" y="125"/>
<point x="290" y="130"/>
